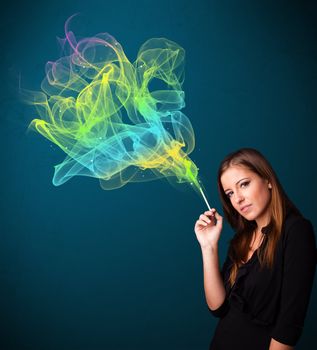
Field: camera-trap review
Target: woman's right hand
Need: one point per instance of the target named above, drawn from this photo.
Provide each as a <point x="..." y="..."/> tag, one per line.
<point x="207" y="230"/>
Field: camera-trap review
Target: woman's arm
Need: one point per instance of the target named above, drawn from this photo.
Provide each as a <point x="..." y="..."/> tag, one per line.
<point x="275" y="345"/>
<point x="299" y="263"/>
<point x="208" y="229"/>
<point x="213" y="283"/>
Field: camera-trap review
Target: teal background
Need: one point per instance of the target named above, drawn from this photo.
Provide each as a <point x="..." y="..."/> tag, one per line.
<point x="83" y="268"/>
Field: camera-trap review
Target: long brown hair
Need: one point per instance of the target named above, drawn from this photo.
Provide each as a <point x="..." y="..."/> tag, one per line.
<point x="279" y="205"/>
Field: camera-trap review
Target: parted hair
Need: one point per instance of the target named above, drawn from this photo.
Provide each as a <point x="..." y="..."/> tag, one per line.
<point x="279" y="204"/>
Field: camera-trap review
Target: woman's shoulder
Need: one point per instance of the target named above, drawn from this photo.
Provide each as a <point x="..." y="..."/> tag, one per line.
<point x="298" y="230"/>
<point x="294" y="219"/>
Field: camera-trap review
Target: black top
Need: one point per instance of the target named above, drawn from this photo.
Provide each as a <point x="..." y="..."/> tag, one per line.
<point x="276" y="297"/>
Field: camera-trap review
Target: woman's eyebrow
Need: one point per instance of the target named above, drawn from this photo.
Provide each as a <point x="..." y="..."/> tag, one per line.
<point x="237" y="183"/>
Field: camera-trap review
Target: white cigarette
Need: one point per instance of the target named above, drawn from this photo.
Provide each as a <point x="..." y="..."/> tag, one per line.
<point x="204" y="198"/>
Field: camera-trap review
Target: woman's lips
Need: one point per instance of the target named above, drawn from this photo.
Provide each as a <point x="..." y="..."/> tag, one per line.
<point x="245" y="208"/>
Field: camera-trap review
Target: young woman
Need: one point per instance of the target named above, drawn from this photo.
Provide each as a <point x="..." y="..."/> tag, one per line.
<point x="262" y="292"/>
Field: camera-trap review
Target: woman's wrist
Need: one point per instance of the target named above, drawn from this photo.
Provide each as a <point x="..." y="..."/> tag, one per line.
<point x="209" y="249"/>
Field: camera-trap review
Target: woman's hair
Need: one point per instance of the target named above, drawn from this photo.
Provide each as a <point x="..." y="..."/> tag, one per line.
<point x="253" y="160"/>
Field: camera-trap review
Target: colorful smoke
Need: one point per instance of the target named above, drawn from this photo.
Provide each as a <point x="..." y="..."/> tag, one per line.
<point x="117" y="121"/>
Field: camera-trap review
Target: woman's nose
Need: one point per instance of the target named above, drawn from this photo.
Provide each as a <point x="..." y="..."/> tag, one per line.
<point x="239" y="198"/>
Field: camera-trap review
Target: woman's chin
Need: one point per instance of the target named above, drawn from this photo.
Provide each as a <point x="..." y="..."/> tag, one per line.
<point x="249" y="216"/>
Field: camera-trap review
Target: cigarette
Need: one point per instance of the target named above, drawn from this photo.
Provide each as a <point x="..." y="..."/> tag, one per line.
<point x="205" y="199"/>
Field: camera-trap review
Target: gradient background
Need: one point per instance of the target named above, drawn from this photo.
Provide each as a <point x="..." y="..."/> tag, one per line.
<point x="87" y="269"/>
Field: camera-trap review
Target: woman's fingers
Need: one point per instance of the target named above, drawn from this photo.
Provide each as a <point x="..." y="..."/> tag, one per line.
<point x="219" y="219"/>
<point x="208" y="216"/>
<point x="201" y="222"/>
<point x="218" y="216"/>
<point x="208" y="227"/>
<point x="205" y="218"/>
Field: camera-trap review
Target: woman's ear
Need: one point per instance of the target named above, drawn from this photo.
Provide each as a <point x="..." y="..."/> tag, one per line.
<point x="270" y="186"/>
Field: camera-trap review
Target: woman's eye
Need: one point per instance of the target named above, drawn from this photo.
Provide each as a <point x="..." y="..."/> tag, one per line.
<point x="229" y="194"/>
<point x="244" y="184"/>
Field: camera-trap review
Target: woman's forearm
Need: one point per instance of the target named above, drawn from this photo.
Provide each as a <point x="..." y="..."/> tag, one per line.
<point x="275" y="345"/>
<point x="213" y="283"/>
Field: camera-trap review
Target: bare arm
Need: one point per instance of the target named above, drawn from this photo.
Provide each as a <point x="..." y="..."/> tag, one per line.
<point x="208" y="232"/>
<point x="213" y="283"/>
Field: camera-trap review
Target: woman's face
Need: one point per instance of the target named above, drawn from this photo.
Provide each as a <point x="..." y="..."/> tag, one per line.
<point x="249" y="194"/>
